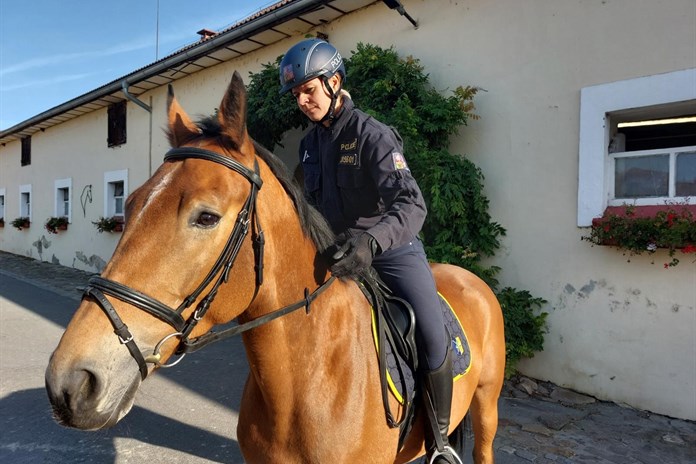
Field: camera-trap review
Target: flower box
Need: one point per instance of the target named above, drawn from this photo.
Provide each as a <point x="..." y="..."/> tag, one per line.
<point x="111" y="224"/>
<point x="638" y="229"/>
<point x="21" y="223"/>
<point x="54" y="224"/>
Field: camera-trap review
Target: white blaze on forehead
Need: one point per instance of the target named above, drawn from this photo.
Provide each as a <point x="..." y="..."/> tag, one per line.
<point x="156" y="191"/>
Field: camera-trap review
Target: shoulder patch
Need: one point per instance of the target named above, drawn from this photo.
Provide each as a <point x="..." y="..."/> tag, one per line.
<point x="399" y="161"/>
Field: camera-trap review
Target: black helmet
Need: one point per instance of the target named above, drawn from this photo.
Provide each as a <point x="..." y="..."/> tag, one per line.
<point x="309" y="59"/>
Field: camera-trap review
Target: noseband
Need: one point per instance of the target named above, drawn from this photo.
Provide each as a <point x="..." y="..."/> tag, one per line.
<point x="98" y="286"/>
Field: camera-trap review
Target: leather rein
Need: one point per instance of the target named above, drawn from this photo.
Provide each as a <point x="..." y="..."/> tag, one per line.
<point x="98" y="287"/>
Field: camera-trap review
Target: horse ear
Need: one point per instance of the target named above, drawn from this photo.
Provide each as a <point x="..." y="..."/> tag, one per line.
<point x="232" y="113"/>
<point x="181" y="128"/>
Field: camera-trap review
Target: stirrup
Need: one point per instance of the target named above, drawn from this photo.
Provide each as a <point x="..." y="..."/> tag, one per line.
<point x="448" y="451"/>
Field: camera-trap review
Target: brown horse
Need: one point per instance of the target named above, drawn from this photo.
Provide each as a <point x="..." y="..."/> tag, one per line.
<point x="313" y="391"/>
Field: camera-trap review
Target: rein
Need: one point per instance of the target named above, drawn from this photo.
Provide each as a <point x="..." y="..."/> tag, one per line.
<point x="98" y="286"/>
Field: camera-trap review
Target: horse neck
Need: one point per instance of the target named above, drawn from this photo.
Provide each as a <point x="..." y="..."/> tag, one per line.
<point x="291" y="352"/>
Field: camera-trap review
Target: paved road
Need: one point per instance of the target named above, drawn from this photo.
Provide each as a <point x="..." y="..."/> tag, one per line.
<point x="185" y="414"/>
<point x="188" y="414"/>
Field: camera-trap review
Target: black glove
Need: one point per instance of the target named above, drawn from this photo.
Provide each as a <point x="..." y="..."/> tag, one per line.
<point x="354" y="256"/>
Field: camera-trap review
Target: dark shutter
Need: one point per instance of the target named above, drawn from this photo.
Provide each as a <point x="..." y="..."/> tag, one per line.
<point x="117" y="124"/>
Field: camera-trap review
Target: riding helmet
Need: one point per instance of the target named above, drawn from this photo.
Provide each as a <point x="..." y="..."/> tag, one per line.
<point x="309" y="59"/>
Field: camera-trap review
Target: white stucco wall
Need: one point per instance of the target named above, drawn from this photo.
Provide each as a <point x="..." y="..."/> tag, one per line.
<point x="75" y="150"/>
<point x="622" y="331"/>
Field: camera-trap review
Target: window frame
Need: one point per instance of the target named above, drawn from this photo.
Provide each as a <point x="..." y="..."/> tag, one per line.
<point x="60" y="185"/>
<point x="25" y="209"/>
<point x="111" y="178"/>
<point x="596" y="104"/>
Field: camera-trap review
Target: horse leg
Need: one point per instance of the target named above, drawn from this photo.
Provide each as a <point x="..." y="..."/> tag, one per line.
<point x="484" y="412"/>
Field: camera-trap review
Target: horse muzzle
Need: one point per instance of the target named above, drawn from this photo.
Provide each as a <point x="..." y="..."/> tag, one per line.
<point x="85" y="398"/>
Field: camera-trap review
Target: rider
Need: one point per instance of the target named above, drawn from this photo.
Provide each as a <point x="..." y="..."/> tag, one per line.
<point x="356" y="175"/>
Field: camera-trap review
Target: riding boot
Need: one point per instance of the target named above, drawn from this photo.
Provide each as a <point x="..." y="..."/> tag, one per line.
<point x="437" y="398"/>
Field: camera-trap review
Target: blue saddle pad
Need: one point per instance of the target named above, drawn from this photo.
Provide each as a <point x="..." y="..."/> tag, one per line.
<point x="461" y="355"/>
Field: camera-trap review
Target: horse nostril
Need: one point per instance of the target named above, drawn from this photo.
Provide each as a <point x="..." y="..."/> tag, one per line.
<point x="79" y="389"/>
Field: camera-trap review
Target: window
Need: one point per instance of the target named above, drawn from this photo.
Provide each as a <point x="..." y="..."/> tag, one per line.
<point x="26" y="151"/>
<point x="115" y="192"/>
<point x="63" y="194"/>
<point x="652" y="160"/>
<point x="636" y="164"/>
<point x="117" y="124"/>
<point x="2" y="203"/>
<point x="25" y="201"/>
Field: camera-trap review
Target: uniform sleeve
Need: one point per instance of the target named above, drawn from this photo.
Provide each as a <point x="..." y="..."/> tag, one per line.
<point x="404" y="206"/>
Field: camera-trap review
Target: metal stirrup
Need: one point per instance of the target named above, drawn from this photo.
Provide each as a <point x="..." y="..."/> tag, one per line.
<point x="448" y="451"/>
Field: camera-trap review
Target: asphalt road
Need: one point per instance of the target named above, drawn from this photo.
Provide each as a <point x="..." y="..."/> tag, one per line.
<point x="187" y="414"/>
<point x="183" y="414"/>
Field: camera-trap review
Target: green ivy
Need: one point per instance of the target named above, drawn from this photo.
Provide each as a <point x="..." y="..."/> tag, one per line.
<point x="524" y="328"/>
<point x="458" y="229"/>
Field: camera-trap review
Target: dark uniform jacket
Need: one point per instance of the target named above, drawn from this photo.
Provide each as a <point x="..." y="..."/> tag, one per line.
<point x="356" y="175"/>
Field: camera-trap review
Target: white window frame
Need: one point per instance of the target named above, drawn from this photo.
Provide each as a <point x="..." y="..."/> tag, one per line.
<point x="594" y="175"/>
<point x="110" y="178"/>
<point x="649" y="201"/>
<point x="59" y="186"/>
<point x="25" y="207"/>
<point x="3" y="211"/>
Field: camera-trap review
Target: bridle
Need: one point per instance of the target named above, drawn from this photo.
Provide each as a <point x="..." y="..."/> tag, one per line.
<point x="98" y="287"/>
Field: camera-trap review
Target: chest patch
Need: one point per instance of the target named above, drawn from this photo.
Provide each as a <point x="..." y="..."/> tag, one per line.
<point x="399" y="161"/>
<point x="348" y="155"/>
<point x="349" y="160"/>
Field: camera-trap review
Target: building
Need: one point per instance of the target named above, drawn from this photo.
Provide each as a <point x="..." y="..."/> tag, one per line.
<point x="559" y="77"/>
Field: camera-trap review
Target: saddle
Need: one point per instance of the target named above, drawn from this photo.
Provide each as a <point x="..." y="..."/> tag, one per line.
<point x="394" y="324"/>
<point x="394" y="327"/>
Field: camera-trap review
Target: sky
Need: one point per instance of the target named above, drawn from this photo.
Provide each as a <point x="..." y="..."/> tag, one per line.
<point x="52" y="51"/>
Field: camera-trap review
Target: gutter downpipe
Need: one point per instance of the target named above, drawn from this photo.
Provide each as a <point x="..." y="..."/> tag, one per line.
<point x="175" y="60"/>
<point x="148" y="108"/>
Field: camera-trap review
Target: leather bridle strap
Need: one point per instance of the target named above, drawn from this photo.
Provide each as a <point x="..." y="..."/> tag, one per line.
<point x="137" y="299"/>
<point x="241" y="227"/>
<point x="192" y="345"/>
<point x="120" y="329"/>
<point x="99" y="286"/>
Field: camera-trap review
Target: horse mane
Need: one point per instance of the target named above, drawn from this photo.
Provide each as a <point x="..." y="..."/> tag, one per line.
<point x="312" y="222"/>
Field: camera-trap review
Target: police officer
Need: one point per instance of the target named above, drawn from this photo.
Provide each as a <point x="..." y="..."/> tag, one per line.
<point x="356" y="175"/>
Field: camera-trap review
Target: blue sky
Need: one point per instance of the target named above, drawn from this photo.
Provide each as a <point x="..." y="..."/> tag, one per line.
<point x="52" y="51"/>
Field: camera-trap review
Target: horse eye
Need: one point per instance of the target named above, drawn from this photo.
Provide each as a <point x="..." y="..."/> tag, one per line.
<point x="207" y="219"/>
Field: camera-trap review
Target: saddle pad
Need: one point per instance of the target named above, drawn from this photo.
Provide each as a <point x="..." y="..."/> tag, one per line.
<point x="461" y="354"/>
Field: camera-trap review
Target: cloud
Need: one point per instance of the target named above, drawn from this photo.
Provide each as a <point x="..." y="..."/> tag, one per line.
<point x="48" y="81"/>
<point x="44" y="61"/>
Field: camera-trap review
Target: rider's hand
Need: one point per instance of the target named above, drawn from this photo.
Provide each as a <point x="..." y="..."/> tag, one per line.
<point x="354" y="256"/>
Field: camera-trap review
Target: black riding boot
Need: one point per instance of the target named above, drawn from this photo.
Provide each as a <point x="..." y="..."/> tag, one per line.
<point x="437" y="389"/>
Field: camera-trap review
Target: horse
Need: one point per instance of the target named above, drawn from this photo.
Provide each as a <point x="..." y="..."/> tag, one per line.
<point x="221" y="202"/>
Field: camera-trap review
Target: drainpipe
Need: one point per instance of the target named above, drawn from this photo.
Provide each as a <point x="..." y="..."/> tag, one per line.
<point x="148" y="108"/>
<point x="124" y="87"/>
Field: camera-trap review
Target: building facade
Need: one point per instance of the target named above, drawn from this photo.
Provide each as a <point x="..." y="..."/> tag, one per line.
<point x="557" y="77"/>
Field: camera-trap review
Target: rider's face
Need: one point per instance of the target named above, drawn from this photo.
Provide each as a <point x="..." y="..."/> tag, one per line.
<point x="313" y="98"/>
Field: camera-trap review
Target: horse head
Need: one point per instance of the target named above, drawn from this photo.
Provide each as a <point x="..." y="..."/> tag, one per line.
<point x="181" y="223"/>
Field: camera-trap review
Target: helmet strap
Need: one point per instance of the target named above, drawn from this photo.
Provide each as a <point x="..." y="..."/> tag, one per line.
<point x="330" y="114"/>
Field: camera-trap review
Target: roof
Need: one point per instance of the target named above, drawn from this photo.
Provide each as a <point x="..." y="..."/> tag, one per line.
<point x="279" y="21"/>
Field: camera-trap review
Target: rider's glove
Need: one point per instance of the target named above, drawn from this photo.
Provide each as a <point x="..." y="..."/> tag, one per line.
<point x="355" y="256"/>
